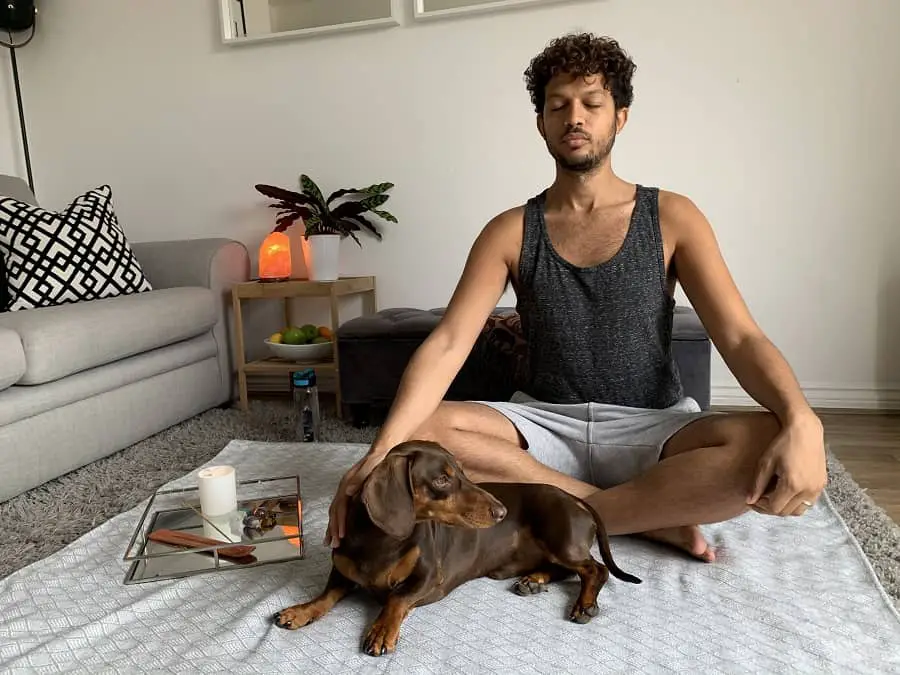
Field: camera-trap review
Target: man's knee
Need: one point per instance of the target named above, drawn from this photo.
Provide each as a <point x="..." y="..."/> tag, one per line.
<point x="435" y="428"/>
<point x="747" y="433"/>
<point x="449" y="417"/>
<point x="751" y="433"/>
<point x="452" y="417"/>
<point x="730" y="446"/>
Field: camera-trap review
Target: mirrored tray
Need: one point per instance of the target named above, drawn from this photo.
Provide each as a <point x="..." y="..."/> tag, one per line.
<point x="277" y="537"/>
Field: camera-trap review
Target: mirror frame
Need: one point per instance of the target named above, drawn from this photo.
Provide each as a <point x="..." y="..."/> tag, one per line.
<point x="226" y="31"/>
<point x="420" y="13"/>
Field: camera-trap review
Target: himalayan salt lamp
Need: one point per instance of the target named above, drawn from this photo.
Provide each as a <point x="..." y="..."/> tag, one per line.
<point x="275" y="258"/>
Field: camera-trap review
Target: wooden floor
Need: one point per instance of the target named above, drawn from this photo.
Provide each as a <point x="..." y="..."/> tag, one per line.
<point x="868" y="445"/>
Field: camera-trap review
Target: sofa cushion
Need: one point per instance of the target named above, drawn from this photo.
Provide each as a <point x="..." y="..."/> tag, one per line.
<point x="76" y="255"/>
<point x="12" y="358"/>
<point x="59" y="341"/>
<point x="19" y="403"/>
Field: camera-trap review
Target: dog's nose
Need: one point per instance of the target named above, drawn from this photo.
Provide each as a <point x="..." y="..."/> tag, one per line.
<point x="498" y="512"/>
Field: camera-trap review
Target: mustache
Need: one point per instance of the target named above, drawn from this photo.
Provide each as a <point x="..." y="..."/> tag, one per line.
<point x="576" y="132"/>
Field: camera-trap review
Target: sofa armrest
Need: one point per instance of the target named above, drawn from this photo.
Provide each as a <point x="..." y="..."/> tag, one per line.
<point x="213" y="263"/>
<point x="210" y="263"/>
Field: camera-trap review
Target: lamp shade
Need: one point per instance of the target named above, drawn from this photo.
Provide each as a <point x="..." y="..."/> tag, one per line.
<point x="275" y="258"/>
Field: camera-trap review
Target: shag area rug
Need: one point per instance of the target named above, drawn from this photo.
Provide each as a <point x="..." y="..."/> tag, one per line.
<point x="46" y="519"/>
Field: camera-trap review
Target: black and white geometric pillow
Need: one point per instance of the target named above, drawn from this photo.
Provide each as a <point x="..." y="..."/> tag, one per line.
<point x="78" y="254"/>
<point x="4" y="289"/>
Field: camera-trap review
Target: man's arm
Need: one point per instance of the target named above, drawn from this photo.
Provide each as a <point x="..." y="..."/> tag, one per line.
<point x="755" y="362"/>
<point x="701" y="270"/>
<point x="441" y="355"/>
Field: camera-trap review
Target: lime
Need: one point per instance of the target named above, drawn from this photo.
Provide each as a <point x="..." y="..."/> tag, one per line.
<point x="294" y="336"/>
<point x="310" y="331"/>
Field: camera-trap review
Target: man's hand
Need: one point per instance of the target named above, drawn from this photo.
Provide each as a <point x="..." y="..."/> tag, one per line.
<point x="796" y="462"/>
<point x="349" y="486"/>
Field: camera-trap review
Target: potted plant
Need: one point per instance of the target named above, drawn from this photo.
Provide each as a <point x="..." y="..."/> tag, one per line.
<point x="327" y="221"/>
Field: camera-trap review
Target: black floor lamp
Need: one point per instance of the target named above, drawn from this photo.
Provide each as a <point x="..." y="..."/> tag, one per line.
<point x="16" y="16"/>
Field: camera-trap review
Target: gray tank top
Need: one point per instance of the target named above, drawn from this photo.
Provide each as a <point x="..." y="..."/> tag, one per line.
<point x="600" y="334"/>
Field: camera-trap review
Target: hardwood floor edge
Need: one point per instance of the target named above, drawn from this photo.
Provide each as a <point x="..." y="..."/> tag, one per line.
<point x="819" y="410"/>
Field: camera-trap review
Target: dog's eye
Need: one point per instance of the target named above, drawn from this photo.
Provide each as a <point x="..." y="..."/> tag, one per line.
<point x="442" y="481"/>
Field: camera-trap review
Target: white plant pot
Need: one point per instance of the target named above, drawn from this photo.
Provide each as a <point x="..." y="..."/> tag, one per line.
<point x="322" y="255"/>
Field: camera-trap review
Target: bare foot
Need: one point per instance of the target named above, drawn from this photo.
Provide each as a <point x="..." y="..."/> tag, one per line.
<point x="687" y="538"/>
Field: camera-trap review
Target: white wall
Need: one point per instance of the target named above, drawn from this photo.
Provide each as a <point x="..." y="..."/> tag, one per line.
<point x="11" y="161"/>
<point x="777" y="118"/>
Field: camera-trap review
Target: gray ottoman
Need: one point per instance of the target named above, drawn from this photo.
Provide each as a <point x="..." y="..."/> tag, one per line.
<point x="373" y="352"/>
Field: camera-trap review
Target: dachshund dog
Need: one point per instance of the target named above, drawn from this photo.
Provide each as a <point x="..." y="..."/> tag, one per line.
<point x="419" y="528"/>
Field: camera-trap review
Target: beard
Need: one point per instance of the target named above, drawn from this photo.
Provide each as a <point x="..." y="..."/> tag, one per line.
<point x="585" y="163"/>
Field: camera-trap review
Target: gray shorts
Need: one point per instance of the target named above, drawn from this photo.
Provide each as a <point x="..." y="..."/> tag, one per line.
<point x="604" y="445"/>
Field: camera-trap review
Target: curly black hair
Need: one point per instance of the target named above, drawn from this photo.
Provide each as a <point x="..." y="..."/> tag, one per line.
<point x="582" y="54"/>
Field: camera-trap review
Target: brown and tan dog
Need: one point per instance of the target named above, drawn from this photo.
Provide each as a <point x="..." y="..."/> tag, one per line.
<point x="419" y="528"/>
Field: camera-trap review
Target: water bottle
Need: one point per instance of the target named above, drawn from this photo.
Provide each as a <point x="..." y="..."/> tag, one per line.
<point x="306" y="403"/>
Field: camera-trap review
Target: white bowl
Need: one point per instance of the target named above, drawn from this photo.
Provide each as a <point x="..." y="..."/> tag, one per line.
<point x="316" y="352"/>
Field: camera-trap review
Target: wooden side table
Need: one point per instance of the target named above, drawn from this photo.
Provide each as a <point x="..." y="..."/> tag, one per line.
<point x="286" y="290"/>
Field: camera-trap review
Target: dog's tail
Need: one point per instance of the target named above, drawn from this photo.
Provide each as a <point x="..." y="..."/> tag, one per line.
<point x="605" y="553"/>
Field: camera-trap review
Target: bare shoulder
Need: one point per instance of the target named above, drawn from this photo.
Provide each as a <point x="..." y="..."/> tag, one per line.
<point x="680" y="217"/>
<point x="503" y="233"/>
<point x="507" y="224"/>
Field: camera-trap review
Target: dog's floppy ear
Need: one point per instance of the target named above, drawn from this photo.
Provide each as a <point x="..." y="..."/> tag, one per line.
<point x="387" y="495"/>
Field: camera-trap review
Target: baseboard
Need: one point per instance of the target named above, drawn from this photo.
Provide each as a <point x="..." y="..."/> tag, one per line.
<point x="846" y="398"/>
<point x="723" y="396"/>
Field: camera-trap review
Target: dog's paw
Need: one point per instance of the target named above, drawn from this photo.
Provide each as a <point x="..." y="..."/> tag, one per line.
<point x="381" y="639"/>
<point x="294" y="617"/>
<point x="584" y="613"/>
<point x="531" y="584"/>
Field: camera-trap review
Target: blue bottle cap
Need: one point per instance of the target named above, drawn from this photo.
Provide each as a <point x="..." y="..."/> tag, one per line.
<point x="304" y="378"/>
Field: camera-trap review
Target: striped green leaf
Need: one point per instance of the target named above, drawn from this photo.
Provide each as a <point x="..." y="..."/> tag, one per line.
<point x="385" y="215"/>
<point x="310" y="188"/>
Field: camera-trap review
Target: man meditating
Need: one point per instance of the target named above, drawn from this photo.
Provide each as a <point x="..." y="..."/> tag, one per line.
<point x="594" y="260"/>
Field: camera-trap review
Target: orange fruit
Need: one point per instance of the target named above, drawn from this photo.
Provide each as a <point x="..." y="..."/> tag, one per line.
<point x="325" y="332"/>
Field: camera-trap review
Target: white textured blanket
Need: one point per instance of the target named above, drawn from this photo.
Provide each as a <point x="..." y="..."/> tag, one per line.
<point x="786" y="596"/>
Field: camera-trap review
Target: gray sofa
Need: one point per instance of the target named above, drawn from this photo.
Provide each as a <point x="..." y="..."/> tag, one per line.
<point x="79" y="382"/>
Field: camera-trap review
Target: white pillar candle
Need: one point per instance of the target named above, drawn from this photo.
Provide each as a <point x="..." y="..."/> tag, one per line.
<point x="218" y="490"/>
<point x="223" y="528"/>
